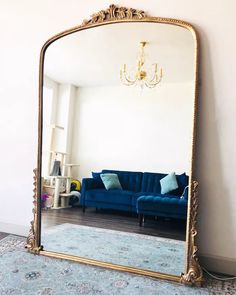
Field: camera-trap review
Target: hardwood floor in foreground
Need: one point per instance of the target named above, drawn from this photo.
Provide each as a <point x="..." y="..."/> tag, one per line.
<point x="115" y="220"/>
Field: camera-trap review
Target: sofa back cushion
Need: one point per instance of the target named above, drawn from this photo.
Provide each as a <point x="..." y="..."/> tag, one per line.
<point x="130" y="181"/>
<point x="151" y="183"/>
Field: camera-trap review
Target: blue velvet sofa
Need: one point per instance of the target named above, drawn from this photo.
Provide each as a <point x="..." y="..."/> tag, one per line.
<point x="94" y="194"/>
<point x="141" y="193"/>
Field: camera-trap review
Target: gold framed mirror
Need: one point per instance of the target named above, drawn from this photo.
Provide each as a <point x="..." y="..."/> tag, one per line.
<point x="121" y="89"/>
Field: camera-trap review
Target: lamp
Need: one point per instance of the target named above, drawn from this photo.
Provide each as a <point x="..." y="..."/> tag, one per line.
<point x="141" y="76"/>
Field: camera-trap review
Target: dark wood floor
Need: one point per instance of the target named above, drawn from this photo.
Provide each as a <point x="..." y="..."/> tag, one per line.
<point x="173" y="229"/>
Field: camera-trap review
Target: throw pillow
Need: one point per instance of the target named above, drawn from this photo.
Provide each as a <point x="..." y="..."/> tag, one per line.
<point x="97" y="178"/>
<point x="168" y="183"/>
<point x="110" y="181"/>
<point x="96" y="175"/>
<point x="182" y="181"/>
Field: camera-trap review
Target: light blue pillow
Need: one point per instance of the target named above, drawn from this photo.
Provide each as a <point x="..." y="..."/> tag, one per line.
<point x="168" y="183"/>
<point x="110" y="181"/>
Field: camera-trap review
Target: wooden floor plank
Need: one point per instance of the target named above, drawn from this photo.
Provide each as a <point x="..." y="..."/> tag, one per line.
<point x="115" y="220"/>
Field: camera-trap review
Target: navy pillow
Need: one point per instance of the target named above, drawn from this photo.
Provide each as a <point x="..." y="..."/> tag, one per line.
<point x="97" y="178"/>
<point x="182" y="181"/>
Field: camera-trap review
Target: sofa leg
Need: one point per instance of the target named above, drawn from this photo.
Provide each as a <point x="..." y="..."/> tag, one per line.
<point x="83" y="209"/>
<point x="141" y="218"/>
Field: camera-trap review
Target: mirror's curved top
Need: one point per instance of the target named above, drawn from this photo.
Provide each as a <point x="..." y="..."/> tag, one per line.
<point x="91" y="67"/>
<point x="54" y="69"/>
<point x="115" y="14"/>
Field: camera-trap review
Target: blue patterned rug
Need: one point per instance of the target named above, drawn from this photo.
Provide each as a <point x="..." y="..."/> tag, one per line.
<point x="22" y="273"/>
<point x="129" y="249"/>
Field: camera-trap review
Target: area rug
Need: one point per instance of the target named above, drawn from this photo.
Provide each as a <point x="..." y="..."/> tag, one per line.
<point x="22" y="273"/>
<point x="129" y="249"/>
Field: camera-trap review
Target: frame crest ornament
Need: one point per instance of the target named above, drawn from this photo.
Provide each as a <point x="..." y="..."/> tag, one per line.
<point x="115" y="13"/>
<point x="193" y="273"/>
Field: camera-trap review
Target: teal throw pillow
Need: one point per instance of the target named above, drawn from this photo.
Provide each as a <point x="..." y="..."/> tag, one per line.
<point x="168" y="183"/>
<point x="110" y="181"/>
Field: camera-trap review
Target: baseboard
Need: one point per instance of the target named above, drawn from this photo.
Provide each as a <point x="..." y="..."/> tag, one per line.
<point x="218" y="264"/>
<point x="14" y="229"/>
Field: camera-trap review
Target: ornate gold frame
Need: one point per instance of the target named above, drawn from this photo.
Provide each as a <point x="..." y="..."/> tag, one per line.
<point x="193" y="274"/>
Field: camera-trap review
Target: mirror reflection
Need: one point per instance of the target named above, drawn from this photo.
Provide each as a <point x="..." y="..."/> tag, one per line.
<point x="118" y="105"/>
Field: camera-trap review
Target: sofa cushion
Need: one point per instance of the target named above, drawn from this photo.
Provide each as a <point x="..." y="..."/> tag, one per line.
<point x="110" y="181"/>
<point x="109" y="196"/>
<point x="168" y="183"/>
<point x="162" y="204"/>
<point x="130" y="181"/>
<point x="137" y="195"/>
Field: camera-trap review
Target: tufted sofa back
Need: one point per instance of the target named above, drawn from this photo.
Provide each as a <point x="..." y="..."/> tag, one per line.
<point x="130" y="181"/>
<point x="151" y="183"/>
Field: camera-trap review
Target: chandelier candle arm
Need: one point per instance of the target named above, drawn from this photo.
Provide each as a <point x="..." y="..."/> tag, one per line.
<point x="127" y="80"/>
<point x="141" y="75"/>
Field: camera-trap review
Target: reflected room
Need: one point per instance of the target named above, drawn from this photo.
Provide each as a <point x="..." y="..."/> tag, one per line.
<point x="118" y="115"/>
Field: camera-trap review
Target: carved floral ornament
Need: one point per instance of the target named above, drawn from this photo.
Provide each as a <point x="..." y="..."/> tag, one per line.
<point x="193" y="274"/>
<point x="115" y="13"/>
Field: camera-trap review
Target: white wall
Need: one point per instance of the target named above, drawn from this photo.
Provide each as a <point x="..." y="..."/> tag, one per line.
<point x="58" y="121"/>
<point x="64" y="118"/>
<point x="25" y="25"/>
<point x="126" y="128"/>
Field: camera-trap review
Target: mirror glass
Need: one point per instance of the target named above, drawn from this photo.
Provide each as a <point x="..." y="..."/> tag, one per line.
<point x="116" y="158"/>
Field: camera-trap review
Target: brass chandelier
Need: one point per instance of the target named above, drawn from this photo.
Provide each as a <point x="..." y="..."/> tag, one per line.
<point x="141" y="76"/>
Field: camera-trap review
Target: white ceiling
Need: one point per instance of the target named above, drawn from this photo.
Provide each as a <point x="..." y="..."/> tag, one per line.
<point x="94" y="57"/>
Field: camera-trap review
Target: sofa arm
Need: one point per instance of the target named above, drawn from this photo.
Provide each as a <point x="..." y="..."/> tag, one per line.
<point x="87" y="184"/>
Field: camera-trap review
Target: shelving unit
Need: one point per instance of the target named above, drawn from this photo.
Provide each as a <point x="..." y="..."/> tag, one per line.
<point x="54" y="184"/>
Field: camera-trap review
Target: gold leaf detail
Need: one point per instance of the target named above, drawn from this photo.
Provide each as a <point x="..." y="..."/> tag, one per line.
<point x="115" y="13"/>
<point x="31" y="239"/>
<point x="194" y="276"/>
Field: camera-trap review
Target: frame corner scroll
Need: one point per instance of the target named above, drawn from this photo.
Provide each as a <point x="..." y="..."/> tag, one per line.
<point x="115" y="13"/>
<point x="32" y="243"/>
<point x="194" y="274"/>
